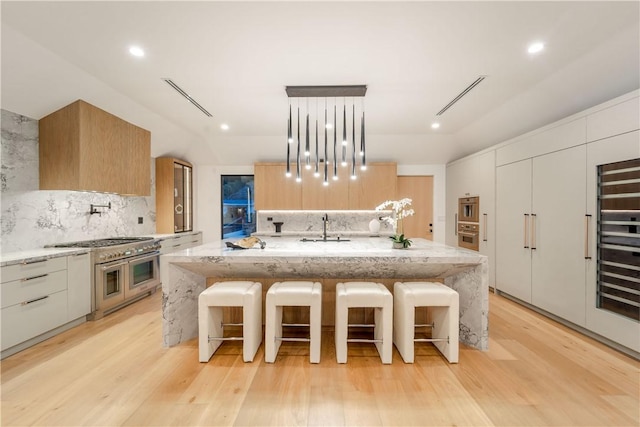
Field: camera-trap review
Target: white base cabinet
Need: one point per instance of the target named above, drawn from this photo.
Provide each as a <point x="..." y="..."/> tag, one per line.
<point x="41" y="298"/>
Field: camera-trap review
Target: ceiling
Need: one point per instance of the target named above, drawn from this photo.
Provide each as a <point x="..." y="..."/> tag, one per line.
<point x="235" y="59"/>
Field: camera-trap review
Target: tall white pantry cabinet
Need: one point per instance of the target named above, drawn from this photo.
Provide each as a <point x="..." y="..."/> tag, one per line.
<point x="546" y="188"/>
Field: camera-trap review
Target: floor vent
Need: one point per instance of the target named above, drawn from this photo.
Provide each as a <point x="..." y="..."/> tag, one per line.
<point x="463" y="93"/>
<point x="186" y="95"/>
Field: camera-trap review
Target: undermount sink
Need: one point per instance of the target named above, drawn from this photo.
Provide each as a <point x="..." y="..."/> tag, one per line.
<point x="338" y="239"/>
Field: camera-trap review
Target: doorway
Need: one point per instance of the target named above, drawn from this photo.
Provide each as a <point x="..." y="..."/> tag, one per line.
<point x="420" y="190"/>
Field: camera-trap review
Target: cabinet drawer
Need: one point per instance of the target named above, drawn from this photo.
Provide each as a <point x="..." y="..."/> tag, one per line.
<point x="33" y="287"/>
<point x="32" y="269"/>
<point x="23" y="322"/>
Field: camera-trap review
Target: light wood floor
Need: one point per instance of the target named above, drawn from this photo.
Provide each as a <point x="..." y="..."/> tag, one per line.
<point x="115" y="372"/>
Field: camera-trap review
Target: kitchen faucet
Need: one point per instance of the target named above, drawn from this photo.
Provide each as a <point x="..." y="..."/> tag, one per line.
<point x="325" y="220"/>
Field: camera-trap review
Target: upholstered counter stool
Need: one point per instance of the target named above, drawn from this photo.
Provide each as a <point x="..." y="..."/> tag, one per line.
<point x="211" y="301"/>
<point x="364" y="294"/>
<point x="444" y="308"/>
<point x="282" y="294"/>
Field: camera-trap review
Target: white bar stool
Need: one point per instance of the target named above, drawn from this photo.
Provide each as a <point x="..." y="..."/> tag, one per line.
<point x="247" y="295"/>
<point x="444" y="308"/>
<point x="293" y="293"/>
<point x="364" y="294"/>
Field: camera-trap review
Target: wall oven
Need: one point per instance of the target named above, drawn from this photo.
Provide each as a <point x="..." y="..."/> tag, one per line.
<point x="468" y="209"/>
<point x="469" y="236"/>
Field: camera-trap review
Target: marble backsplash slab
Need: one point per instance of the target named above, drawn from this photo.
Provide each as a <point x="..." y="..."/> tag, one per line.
<point x="32" y="218"/>
<point x="341" y="222"/>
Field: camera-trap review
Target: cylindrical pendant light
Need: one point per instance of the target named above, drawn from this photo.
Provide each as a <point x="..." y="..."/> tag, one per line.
<point x="298" y="177"/>
<point x="335" y="141"/>
<point x="316" y="171"/>
<point x="344" y="133"/>
<point x="363" y="149"/>
<point x="326" y="150"/>
<point x="353" y="141"/>
<point x="288" y="173"/>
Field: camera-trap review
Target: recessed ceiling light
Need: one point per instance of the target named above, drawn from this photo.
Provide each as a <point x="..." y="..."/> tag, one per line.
<point x="136" y="51"/>
<point x="224" y="126"/>
<point x="535" y="47"/>
<point x="329" y="126"/>
<point x="435" y="125"/>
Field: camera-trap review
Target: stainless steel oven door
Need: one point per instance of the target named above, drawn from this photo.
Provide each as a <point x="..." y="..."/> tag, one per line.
<point x="110" y="284"/>
<point x="144" y="274"/>
<point x="469" y="236"/>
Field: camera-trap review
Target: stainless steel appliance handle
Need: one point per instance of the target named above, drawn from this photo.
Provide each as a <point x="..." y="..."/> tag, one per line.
<point x="109" y="266"/>
<point x="533" y="232"/>
<point x="455" y="230"/>
<point x="466" y="233"/>
<point x="526" y="231"/>
<point x="143" y="258"/>
<point x="484" y="226"/>
<point x="587" y="218"/>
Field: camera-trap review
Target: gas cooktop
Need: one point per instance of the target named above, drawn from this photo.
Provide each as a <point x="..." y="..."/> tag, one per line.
<point x="101" y="243"/>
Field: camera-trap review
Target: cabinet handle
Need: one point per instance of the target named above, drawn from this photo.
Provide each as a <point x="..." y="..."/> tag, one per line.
<point x="587" y="218"/>
<point x="33" y="262"/>
<point x="34" y="300"/>
<point x="484" y="227"/>
<point x="26" y="279"/>
<point x="455" y="230"/>
<point x="526" y="231"/>
<point x="533" y="232"/>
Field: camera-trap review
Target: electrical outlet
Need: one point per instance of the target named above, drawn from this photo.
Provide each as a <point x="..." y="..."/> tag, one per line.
<point x="140" y="220"/>
<point x="269" y="218"/>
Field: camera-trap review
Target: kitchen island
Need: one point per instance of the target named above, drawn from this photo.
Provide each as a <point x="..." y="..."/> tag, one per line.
<point x="184" y="275"/>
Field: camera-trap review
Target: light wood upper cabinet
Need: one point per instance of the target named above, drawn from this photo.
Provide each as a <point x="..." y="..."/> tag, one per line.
<point x="174" y="195"/>
<point x="87" y="149"/>
<point x="273" y="190"/>
<point x="373" y="186"/>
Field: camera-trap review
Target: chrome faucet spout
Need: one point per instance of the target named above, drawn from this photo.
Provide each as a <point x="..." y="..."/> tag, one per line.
<point x="325" y="220"/>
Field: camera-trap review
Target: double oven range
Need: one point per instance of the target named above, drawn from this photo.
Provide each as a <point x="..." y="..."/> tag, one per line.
<point x="125" y="269"/>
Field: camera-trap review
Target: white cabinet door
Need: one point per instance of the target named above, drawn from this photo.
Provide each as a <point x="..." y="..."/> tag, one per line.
<point x="557" y="234"/>
<point x="513" y="202"/>
<point x="474" y="177"/>
<point x="78" y="286"/>
<point x="608" y="324"/>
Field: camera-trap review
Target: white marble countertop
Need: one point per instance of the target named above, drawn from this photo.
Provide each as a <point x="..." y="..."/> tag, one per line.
<point x="317" y="235"/>
<point x="363" y="257"/>
<point x="19" y="257"/>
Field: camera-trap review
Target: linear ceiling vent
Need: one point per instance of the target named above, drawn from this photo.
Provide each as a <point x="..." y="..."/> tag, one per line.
<point x="186" y="95"/>
<point x="463" y="93"/>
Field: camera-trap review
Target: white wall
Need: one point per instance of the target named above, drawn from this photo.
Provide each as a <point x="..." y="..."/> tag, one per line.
<point x="208" y="197"/>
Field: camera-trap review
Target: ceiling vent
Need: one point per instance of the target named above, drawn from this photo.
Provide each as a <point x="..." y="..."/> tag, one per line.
<point x="463" y="93"/>
<point x="186" y="95"/>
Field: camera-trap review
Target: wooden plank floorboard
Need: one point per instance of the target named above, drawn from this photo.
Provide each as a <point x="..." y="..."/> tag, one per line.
<point x="114" y="372"/>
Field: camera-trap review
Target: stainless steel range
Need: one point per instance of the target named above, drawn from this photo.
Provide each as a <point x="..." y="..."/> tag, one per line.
<point x="125" y="269"/>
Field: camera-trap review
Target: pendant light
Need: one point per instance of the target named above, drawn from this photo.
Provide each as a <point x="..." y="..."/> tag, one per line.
<point x="289" y="141"/>
<point x="335" y="142"/>
<point x="353" y="142"/>
<point x="298" y="177"/>
<point x="336" y="92"/>
<point x="344" y="133"/>
<point x="326" y="151"/>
